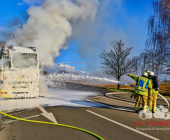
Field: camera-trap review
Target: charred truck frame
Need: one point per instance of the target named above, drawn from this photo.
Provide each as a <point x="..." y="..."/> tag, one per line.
<point x="19" y="72"/>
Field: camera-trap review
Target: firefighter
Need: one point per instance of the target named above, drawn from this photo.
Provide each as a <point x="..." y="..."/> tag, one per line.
<point x="142" y="83"/>
<point x="153" y="93"/>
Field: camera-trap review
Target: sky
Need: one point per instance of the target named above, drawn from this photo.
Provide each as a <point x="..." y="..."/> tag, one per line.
<point x="127" y="21"/>
<point x="114" y="20"/>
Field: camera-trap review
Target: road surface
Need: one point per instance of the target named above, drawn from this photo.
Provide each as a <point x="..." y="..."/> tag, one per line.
<point x="112" y="120"/>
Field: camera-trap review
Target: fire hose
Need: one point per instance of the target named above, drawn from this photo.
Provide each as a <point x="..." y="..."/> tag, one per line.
<point x="164" y="100"/>
<point x="34" y="121"/>
<point x="158" y="94"/>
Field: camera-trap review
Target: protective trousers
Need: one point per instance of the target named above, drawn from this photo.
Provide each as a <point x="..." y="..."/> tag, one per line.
<point x="152" y="102"/>
<point x="144" y="102"/>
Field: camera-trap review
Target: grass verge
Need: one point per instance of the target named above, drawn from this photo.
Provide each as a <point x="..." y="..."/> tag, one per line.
<point x="131" y="91"/>
<point x="121" y="90"/>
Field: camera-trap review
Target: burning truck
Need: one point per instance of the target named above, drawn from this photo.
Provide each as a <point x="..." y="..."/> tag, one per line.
<point x="19" y="72"/>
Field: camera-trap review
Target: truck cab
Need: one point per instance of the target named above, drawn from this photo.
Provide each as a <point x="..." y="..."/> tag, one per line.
<point x="19" y="72"/>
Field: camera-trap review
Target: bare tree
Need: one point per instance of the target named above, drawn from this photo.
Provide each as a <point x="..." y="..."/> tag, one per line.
<point x="156" y="56"/>
<point x="116" y="61"/>
<point x="159" y="32"/>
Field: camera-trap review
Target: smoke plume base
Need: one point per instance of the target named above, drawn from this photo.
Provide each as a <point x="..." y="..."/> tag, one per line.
<point x="48" y="26"/>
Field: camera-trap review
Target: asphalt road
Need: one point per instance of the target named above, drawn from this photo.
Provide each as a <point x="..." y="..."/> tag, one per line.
<point x="112" y="120"/>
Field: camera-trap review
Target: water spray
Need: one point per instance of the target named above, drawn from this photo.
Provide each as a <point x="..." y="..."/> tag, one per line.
<point x="89" y="80"/>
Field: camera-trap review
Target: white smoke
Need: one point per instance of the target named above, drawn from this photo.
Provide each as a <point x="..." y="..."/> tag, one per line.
<point x="20" y="61"/>
<point x="48" y="25"/>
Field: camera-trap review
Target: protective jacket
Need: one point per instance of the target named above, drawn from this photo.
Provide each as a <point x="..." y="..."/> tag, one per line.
<point x="152" y="91"/>
<point x="142" y="83"/>
<point x="152" y="97"/>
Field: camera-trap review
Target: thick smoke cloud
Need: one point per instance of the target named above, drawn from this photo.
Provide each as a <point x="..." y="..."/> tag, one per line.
<point x="48" y="25"/>
<point x="98" y="34"/>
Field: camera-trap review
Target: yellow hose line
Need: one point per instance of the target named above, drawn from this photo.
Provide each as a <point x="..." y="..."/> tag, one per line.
<point x="95" y="135"/>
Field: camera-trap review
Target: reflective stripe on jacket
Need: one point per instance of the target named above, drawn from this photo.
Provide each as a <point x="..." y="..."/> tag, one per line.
<point x="140" y="89"/>
<point x="142" y="84"/>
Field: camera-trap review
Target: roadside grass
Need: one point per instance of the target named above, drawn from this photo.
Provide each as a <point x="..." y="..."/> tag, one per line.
<point x="168" y="97"/>
<point x="164" y="89"/>
<point x="131" y="91"/>
<point x="121" y="90"/>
